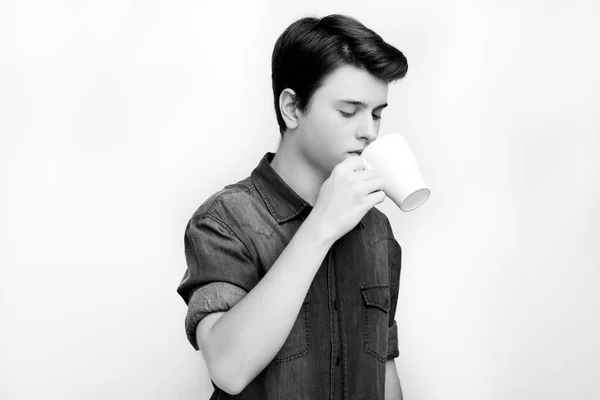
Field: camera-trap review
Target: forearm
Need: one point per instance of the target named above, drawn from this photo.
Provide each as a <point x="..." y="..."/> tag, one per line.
<point x="393" y="390"/>
<point x="248" y="336"/>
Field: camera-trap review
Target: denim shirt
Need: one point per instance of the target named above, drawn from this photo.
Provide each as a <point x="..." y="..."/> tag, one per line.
<point x="345" y="330"/>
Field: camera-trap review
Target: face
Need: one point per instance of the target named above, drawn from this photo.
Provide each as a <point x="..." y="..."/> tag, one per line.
<point x="344" y="117"/>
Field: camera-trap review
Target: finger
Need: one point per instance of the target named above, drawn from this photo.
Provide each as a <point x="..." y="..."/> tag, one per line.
<point x="372" y="185"/>
<point x="353" y="163"/>
<point x="375" y="198"/>
<point x="365" y="175"/>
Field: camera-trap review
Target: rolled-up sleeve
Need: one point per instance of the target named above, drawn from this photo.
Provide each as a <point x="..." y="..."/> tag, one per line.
<point x="395" y="267"/>
<point x="220" y="271"/>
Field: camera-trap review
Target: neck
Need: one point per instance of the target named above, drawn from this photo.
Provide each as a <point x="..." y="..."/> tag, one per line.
<point x="297" y="172"/>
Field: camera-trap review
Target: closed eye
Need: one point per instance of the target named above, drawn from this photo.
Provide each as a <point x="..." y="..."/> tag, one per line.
<point x="349" y="115"/>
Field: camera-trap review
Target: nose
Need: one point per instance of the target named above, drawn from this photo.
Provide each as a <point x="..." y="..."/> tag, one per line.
<point x="368" y="130"/>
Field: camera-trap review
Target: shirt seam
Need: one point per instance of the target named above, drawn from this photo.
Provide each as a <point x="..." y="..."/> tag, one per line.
<point x="223" y="224"/>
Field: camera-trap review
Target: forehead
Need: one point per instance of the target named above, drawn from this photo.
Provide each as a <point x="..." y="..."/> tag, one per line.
<point x="349" y="82"/>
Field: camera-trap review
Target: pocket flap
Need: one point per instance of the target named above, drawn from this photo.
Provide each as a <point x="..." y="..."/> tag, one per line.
<point x="376" y="296"/>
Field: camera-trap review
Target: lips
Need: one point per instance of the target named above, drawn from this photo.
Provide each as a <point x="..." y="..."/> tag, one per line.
<point x="359" y="152"/>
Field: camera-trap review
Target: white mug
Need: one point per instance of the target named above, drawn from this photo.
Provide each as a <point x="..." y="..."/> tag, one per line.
<point x="392" y="158"/>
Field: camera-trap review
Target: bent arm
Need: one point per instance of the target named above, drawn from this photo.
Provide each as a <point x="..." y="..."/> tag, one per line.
<point x="238" y="344"/>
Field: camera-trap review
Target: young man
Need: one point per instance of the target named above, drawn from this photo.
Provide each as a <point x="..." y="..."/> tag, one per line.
<point x="293" y="275"/>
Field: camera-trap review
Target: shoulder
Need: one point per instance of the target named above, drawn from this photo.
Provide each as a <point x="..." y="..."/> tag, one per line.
<point x="231" y="198"/>
<point x="237" y="204"/>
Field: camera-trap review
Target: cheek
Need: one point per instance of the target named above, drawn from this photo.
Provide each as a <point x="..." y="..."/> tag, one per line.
<point x="329" y="130"/>
<point x="325" y="119"/>
<point x="322" y="126"/>
<point x="338" y="125"/>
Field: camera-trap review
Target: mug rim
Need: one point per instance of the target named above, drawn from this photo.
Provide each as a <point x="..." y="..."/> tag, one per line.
<point x="379" y="139"/>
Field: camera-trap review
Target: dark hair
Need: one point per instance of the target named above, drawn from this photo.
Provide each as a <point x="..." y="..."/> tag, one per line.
<point x="312" y="48"/>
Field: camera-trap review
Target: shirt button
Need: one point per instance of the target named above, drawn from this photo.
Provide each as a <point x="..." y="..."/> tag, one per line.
<point x="335" y="305"/>
<point x="338" y="360"/>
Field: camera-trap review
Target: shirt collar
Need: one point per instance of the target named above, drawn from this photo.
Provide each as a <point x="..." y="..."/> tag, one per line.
<point x="281" y="200"/>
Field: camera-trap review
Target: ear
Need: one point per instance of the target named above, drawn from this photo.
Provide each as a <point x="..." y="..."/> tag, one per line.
<point x="287" y="106"/>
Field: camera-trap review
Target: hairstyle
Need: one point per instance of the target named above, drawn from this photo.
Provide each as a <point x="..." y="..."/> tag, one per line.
<point x="312" y="48"/>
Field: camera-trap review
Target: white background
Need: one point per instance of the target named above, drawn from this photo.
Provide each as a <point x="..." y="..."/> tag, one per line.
<point x="119" y="118"/>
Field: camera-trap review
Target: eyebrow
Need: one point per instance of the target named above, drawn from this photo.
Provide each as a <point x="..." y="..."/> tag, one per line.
<point x="361" y="104"/>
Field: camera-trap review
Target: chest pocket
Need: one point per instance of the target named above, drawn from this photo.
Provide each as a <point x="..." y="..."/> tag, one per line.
<point x="297" y="343"/>
<point x="376" y="308"/>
